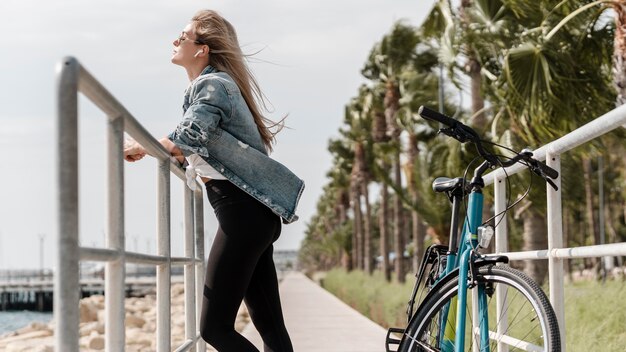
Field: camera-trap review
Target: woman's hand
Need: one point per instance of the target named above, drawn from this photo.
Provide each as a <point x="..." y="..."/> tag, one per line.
<point x="133" y="151"/>
<point x="172" y="149"/>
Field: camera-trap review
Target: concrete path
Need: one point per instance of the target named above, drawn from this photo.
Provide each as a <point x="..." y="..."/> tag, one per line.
<point x="318" y="321"/>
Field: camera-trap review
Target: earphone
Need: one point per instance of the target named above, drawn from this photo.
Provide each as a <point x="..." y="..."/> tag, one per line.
<point x="198" y="53"/>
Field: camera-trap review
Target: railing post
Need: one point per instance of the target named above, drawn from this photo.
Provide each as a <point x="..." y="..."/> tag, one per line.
<point x="502" y="241"/>
<point x="501" y="246"/>
<point x="66" y="282"/>
<point x="115" y="270"/>
<point x="190" y="291"/>
<point x="163" y="329"/>
<point x="555" y="240"/>
<point x="199" y="222"/>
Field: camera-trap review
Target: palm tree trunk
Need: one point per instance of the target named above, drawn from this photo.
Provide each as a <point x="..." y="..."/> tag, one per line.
<point x="398" y="238"/>
<point x="346" y="261"/>
<point x="384" y="230"/>
<point x="367" y="229"/>
<point x="473" y="68"/>
<point x="479" y="121"/>
<point x="417" y="227"/>
<point x="591" y="220"/>
<point x="392" y="105"/>
<point x="357" y="237"/>
<point x="535" y="238"/>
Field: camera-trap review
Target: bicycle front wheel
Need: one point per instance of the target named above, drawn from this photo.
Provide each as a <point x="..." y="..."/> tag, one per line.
<point x="519" y="316"/>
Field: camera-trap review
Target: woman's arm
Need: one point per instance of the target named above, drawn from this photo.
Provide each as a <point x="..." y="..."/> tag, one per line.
<point x="172" y="149"/>
<point x="134" y="151"/>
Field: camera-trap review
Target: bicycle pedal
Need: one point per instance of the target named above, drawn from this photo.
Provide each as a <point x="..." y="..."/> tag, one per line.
<point x="390" y="341"/>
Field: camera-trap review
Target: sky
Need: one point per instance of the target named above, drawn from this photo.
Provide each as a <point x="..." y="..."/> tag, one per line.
<point x="308" y="60"/>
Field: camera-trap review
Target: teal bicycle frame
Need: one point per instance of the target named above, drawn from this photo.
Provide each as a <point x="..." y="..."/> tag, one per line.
<point x="456" y="342"/>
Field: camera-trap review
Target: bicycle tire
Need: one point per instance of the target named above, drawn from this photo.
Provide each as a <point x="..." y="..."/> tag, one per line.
<point x="530" y="317"/>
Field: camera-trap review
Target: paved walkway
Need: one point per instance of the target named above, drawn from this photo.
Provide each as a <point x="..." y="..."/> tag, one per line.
<point x="318" y="321"/>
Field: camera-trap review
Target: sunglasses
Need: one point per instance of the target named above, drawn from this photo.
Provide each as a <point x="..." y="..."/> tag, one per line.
<point x="182" y="38"/>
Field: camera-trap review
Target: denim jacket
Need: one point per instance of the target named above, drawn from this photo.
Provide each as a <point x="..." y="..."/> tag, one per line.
<point x="218" y="126"/>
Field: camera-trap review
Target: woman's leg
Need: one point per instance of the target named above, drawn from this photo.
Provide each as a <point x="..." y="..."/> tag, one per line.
<point x="263" y="302"/>
<point x="227" y="276"/>
<point x="247" y="229"/>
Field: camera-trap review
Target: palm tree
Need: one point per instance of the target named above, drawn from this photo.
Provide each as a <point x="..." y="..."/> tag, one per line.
<point x="343" y="158"/>
<point x="387" y="61"/>
<point x="418" y="86"/>
<point x="358" y="123"/>
<point x="380" y="139"/>
<point x="548" y="77"/>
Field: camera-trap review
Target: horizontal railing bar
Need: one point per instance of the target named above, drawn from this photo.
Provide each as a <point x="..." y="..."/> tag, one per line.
<point x="148" y="280"/>
<point x="602" y="250"/>
<point x="107" y="255"/>
<point x="98" y="254"/>
<point x="187" y="345"/>
<point x="526" y="255"/>
<point x="185" y="260"/>
<point x="149" y="259"/>
<point x="602" y="125"/>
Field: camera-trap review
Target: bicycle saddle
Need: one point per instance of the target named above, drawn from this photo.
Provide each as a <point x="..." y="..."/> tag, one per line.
<point x="444" y="184"/>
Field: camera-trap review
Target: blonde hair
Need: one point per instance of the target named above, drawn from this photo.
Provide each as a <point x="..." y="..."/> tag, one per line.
<point x="225" y="55"/>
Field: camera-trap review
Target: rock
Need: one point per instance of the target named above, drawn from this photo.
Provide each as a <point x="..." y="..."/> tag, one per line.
<point x="88" y="311"/>
<point x="133" y="321"/>
<point x="177" y="289"/>
<point x="86" y="328"/>
<point x="138" y="337"/>
<point x="101" y="316"/>
<point x="149" y="326"/>
<point x="45" y="344"/>
<point x="27" y="336"/>
<point x="35" y="326"/>
<point x="96" y="342"/>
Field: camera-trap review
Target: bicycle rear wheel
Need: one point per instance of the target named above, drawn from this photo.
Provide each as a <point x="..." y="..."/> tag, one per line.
<point x="520" y="319"/>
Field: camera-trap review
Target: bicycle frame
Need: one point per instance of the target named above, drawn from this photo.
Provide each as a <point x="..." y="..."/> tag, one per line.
<point x="456" y="342"/>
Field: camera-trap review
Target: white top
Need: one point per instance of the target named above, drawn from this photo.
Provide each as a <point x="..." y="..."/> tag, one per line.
<point x="198" y="167"/>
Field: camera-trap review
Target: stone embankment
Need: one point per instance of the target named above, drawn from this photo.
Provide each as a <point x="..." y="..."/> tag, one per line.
<point x="140" y="326"/>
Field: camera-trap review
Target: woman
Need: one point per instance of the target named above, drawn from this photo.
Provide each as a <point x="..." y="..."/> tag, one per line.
<point x="224" y="138"/>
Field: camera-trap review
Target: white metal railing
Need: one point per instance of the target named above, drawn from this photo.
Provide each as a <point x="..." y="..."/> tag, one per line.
<point x="73" y="78"/>
<point x="555" y="253"/>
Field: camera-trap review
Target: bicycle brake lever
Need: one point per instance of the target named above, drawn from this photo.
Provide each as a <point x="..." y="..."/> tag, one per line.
<point x="454" y="133"/>
<point x="554" y="186"/>
<point x="538" y="171"/>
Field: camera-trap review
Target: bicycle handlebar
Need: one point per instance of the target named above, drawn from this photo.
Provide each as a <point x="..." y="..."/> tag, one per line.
<point x="464" y="133"/>
<point x="433" y="115"/>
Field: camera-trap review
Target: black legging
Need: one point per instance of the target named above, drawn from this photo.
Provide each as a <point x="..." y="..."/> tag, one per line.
<point x="241" y="267"/>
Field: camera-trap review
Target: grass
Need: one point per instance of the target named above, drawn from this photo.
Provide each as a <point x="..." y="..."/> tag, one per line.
<point x="595" y="316"/>
<point x="595" y="313"/>
<point x="383" y="302"/>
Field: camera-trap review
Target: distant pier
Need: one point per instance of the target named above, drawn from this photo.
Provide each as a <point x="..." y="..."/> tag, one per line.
<point x="34" y="290"/>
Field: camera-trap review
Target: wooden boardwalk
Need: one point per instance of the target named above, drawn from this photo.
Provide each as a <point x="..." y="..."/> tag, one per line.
<point x="318" y="321"/>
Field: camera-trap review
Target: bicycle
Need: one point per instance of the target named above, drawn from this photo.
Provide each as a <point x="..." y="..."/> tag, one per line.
<point x="508" y="310"/>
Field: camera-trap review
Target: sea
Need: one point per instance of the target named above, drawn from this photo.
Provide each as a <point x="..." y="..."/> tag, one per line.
<point x="13" y="320"/>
